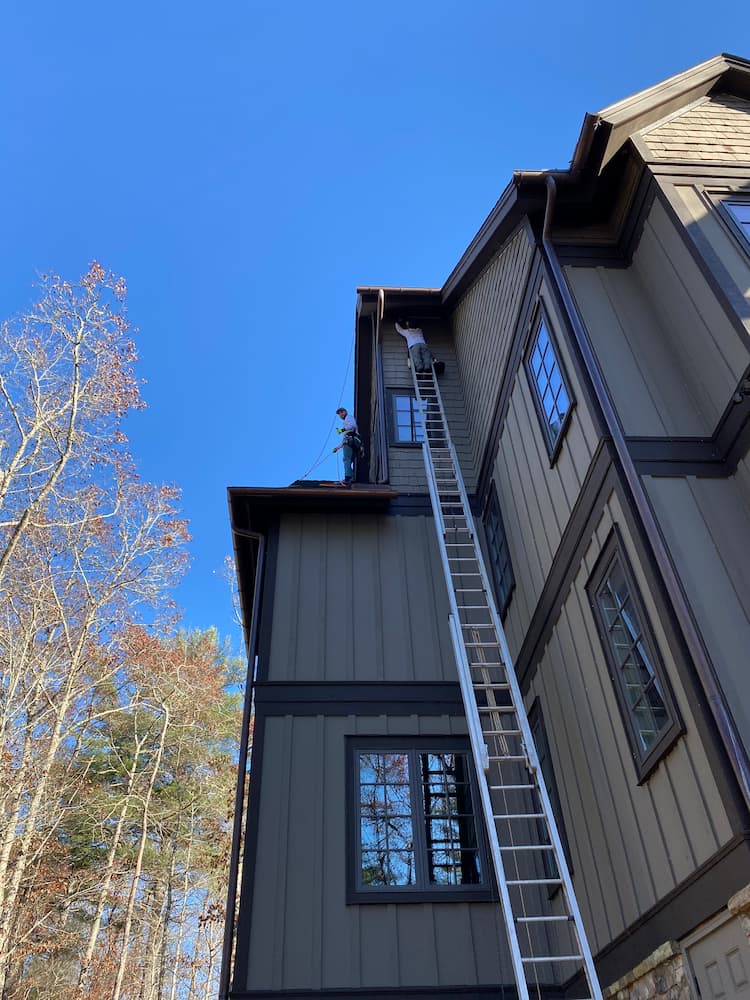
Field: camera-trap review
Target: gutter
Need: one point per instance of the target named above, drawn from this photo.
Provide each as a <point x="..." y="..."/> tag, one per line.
<point x="704" y="666"/>
<point x="239" y="800"/>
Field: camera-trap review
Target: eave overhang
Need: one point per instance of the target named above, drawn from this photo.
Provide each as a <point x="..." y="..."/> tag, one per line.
<point x="585" y="187"/>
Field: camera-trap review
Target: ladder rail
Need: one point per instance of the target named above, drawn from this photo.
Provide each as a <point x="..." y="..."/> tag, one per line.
<point x="477" y="735"/>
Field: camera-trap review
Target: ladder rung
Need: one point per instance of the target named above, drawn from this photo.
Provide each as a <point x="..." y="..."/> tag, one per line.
<point x="533" y="881"/>
<point x="481" y="645"/>
<point x="511" y="788"/>
<point x="552" y="918"/>
<point x="491" y="687"/>
<point x="530" y="847"/>
<point x="508" y="758"/>
<point x="519" y="816"/>
<point x="552" y="958"/>
<point x="502" y="732"/>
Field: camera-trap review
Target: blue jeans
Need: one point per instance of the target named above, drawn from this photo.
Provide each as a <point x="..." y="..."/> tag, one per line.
<point x="348" y="454"/>
<point x="421" y="357"/>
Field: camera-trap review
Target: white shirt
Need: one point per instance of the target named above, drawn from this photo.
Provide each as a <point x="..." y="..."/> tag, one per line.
<point x="413" y="335"/>
<point x="350" y="425"/>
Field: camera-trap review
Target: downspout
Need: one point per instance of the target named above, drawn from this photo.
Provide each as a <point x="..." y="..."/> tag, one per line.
<point x="384" y="476"/>
<point x="239" y="800"/>
<point x="702" y="661"/>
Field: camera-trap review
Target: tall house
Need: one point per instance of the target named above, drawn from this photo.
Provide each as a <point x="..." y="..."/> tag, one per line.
<point x="596" y="342"/>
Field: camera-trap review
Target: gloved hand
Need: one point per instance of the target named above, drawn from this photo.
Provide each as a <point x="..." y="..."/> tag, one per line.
<point x="339" y="430"/>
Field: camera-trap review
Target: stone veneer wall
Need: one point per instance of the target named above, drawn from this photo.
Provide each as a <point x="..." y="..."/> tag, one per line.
<point x="739" y="905"/>
<point x="662" y="974"/>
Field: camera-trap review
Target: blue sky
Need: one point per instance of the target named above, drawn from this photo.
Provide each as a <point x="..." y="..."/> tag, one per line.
<point x="246" y="165"/>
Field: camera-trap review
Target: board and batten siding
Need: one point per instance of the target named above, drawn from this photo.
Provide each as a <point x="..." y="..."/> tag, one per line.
<point x="359" y="597"/>
<point x="406" y="464"/>
<point x="536" y="498"/>
<point x="638" y="842"/>
<point x="714" y="128"/>
<point x="696" y="206"/>
<point x="483" y="325"/>
<point x="670" y="355"/>
<point x="706" y="524"/>
<point x="303" y="935"/>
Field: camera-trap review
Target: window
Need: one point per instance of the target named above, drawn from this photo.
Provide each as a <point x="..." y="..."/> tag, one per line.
<point x="738" y="210"/>
<point x="644" y="697"/>
<point x="551" y="395"/>
<point x="498" y="553"/>
<point x="406" y="424"/>
<point x="415" y="830"/>
<point x="539" y="735"/>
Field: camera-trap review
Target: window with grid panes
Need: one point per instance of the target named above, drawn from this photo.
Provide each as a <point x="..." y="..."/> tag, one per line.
<point x="498" y="553"/>
<point x="551" y="394"/>
<point x="640" y="682"/>
<point x="407" y="424"/>
<point x="739" y="211"/>
<point x="415" y="820"/>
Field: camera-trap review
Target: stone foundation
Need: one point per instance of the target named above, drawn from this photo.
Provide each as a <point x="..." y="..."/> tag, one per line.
<point x="661" y="975"/>
<point x="739" y="905"/>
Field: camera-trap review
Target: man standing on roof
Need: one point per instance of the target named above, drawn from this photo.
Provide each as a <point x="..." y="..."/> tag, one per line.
<point x="421" y="355"/>
<point x="350" y="444"/>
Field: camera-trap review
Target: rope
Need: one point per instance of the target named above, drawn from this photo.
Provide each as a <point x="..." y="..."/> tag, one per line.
<point x="320" y="458"/>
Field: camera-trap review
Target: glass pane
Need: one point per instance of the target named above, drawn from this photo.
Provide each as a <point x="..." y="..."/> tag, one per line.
<point x="450" y="832"/>
<point x="648" y="711"/>
<point x="386" y="832"/>
<point x="740" y="210"/>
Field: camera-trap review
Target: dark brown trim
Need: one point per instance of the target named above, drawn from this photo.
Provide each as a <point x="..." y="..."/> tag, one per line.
<point x="510" y="371"/>
<point x="499" y="991"/>
<point x="715" y="456"/>
<point x="728" y="295"/>
<point x="603" y="478"/>
<point x="599" y="482"/>
<point x="618" y="251"/>
<point x="250" y="859"/>
<point x="614" y="551"/>
<point x="358" y="698"/>
<point x="702" y="894"/>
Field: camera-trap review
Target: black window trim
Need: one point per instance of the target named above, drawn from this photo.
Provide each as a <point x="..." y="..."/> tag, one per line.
<point x="537" y="725"/>
<point x="718" y="198"/>
<point x="391" y="393"/>
<point x="482" y="892"/>
<point x="645" y="763"/>
<point x="541" y="315"/>
<point x="502" y="607"/>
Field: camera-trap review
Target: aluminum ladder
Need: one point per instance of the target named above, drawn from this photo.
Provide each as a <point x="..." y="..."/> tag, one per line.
<point x="546" y="937"/>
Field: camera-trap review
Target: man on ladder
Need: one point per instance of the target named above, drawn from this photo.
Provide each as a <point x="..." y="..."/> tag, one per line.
<point x="351" y="444"/>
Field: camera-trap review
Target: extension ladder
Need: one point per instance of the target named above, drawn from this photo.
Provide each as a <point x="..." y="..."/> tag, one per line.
<point x="546" y="936"/>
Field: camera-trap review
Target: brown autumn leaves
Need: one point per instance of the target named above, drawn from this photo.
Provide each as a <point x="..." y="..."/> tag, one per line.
<point x="118" y="730"/>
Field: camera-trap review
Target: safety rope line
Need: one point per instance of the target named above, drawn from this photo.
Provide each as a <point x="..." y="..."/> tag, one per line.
<point x="321" y="457"/>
